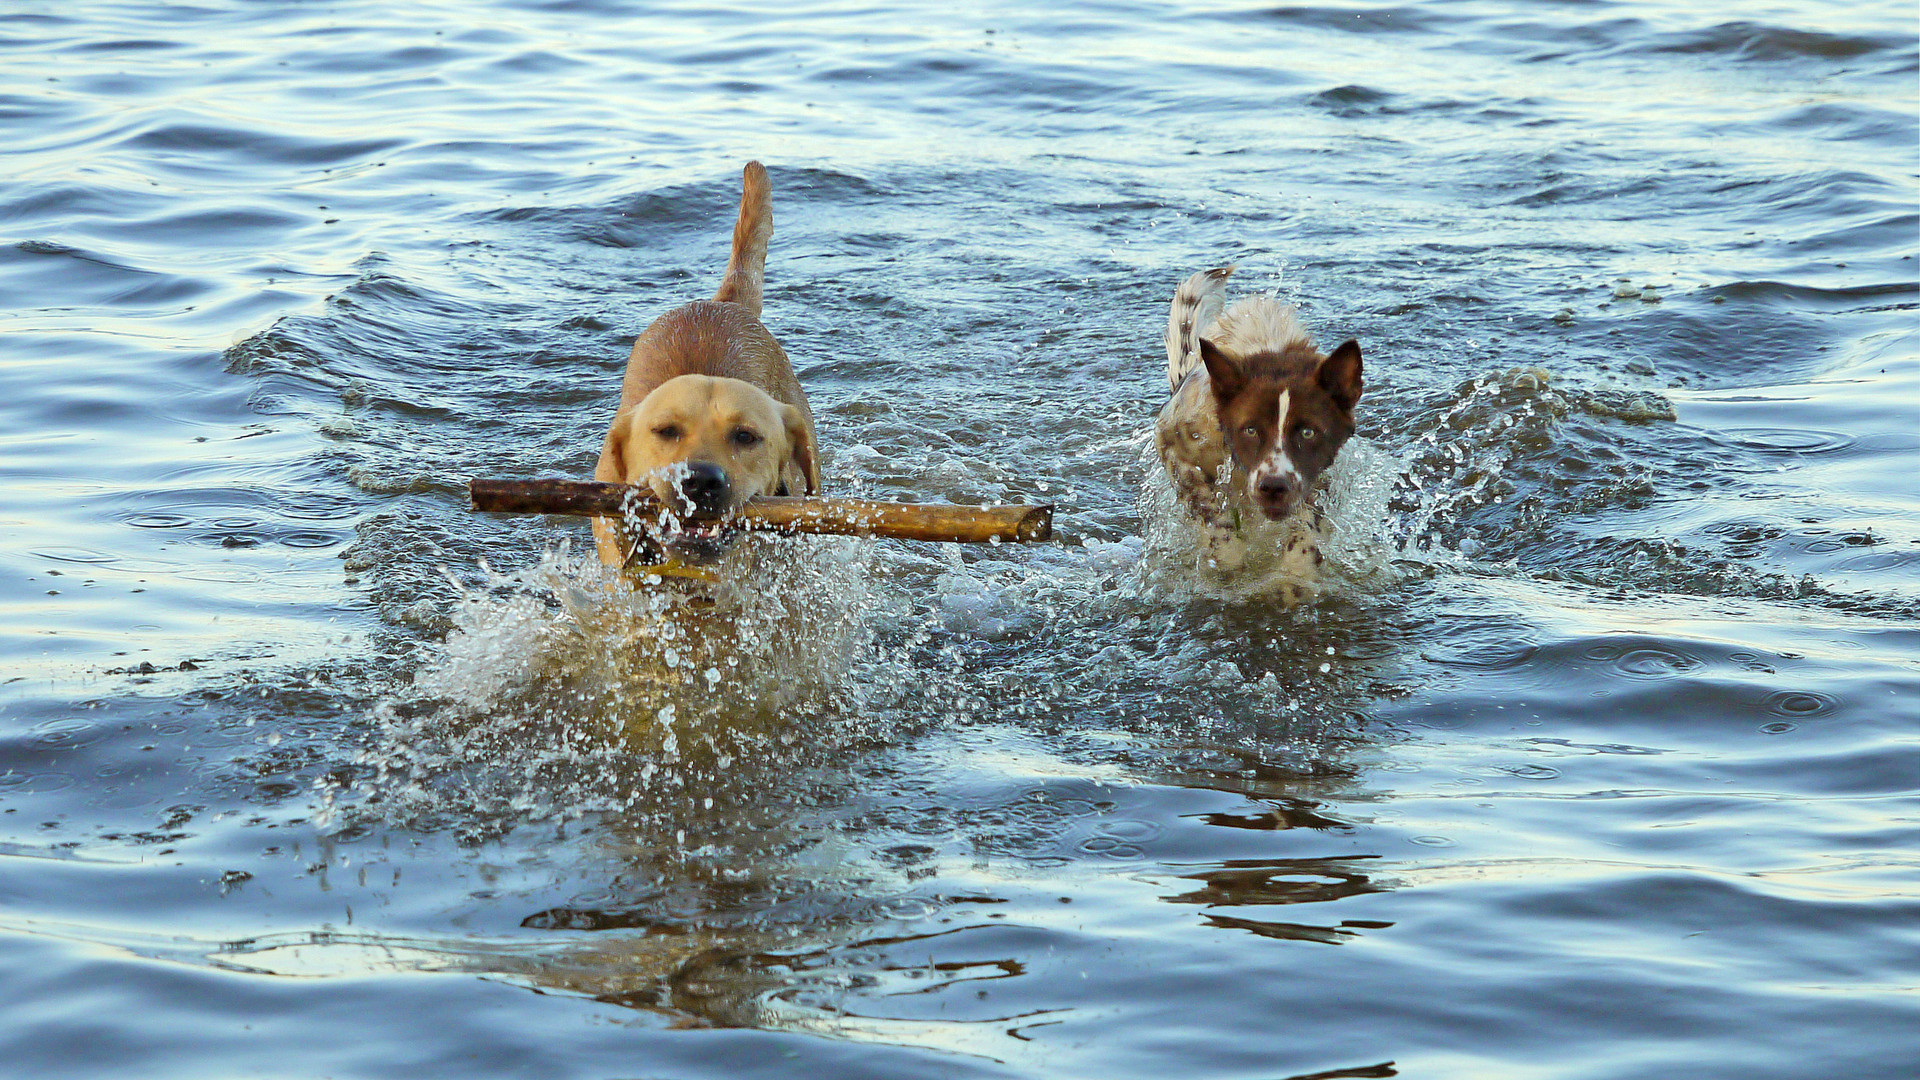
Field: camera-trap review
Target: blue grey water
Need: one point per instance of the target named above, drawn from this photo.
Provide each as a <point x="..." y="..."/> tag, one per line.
<point x="1599" y="758"/>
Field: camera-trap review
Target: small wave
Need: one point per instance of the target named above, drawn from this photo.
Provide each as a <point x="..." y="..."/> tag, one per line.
<point x="1758" y="41"/>
<point x="1851" y="122"/>
<point x="82" y="277"/>
<point x="1390" y="20"/>
<point x="210" y="138"/>
<point x="1771" y="294"/>
<point x="1352" y="100"/>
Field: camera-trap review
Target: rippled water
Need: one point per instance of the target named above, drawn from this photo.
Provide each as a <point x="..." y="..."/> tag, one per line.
<point x="1598" y="757"/>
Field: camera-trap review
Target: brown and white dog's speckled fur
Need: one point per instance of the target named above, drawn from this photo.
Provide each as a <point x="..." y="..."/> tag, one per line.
<point x="710" y="412"/>
<point x="1256" y="413"/>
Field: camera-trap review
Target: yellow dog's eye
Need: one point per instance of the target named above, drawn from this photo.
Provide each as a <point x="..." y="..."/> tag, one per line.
<point x="1250" y="430"/>
<point x="1308" y="434"/>
<point x="668" y="432"/>
<point x="743" y="437"/>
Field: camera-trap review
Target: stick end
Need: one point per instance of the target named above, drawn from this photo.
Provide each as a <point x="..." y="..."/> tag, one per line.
<point x="1037" y="524"/>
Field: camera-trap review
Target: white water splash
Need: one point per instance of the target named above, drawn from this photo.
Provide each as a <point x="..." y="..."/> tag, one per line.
<point x="1184" y="558"/>
<point x="561" y="690"/>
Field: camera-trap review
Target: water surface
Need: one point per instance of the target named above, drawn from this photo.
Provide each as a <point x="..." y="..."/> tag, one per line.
<point x="1598" y="760"/>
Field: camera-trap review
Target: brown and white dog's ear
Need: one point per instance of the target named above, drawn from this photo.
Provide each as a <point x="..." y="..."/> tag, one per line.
<point x="1223" y="371"/>
<point x="805" y="450"/>
<point x="1339" y="374"/>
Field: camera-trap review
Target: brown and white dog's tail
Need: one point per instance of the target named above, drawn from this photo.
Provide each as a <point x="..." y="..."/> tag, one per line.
<point x="747" y="268"/>
<point x="1196" y="303"/>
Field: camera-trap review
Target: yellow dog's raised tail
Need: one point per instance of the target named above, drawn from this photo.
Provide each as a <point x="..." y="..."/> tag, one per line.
<point x="747" y="267"/>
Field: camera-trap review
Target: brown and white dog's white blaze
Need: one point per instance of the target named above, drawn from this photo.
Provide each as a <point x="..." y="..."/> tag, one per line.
<point x="1254" y="404"/>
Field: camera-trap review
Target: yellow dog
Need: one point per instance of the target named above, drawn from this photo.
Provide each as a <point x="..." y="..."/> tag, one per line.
<point x="710" y="412"/>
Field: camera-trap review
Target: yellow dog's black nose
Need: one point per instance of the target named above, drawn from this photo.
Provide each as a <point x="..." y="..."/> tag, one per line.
<point x="704" y="487"/>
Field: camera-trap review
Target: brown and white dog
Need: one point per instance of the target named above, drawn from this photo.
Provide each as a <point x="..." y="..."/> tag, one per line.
<point x="1256" y="413"/>
<point x="710" y="412"/>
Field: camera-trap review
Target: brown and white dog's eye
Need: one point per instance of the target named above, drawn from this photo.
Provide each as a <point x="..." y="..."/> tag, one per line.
<point x="1307" y="434"/>
<point x="744" y="437"/>
<point x="1250" y="429"/>
<point x="669" y="432"/>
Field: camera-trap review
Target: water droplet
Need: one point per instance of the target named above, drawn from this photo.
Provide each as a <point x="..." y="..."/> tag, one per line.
<point x="1799" y="703"/>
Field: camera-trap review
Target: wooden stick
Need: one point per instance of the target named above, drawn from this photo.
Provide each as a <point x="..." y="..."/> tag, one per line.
<point x="767" y="513"/>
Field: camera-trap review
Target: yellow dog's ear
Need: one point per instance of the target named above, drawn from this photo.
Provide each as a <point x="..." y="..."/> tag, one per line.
<point x="615" y="447"/>
<point x="806" y="451"/>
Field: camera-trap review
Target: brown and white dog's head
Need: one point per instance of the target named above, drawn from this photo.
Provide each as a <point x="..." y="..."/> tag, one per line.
<point x="1284" y="416"/>
<point x="705" y="446"/>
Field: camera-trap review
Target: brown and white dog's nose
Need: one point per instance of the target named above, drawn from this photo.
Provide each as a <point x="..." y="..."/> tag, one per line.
<point x="1275" y="493"/>
<point x="1274" y="487"/>
<point x="704" y="488"/>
